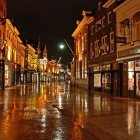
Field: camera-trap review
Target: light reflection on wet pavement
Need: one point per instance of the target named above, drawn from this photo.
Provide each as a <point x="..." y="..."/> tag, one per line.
<point x="54" y="112"/>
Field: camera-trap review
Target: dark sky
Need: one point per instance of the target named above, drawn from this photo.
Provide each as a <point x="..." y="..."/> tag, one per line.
<point x="51" y="20"/>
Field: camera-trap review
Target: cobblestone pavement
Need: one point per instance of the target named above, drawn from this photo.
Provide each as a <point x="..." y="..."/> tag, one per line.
<point x="53" y="111"/>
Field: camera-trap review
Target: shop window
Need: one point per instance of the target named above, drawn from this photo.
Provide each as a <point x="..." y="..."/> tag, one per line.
<point x="130" y="81"/>
<point x="131" y="68"/>
<point x="137" y="65"/>
<point x="106" y="80"/>
<point x="97" y="80"/>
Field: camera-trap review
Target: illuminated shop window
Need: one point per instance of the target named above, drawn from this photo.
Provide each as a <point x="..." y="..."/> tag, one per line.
<point x="131" y="66"/>
<point x="106" y="80"/>
<point x="97" y="80"/>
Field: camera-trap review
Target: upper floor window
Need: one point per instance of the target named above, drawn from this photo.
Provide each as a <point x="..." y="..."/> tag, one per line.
<point x="91" y="50"/>
<point x="111" y="41"/>
<point x="103" y="21"/>
<point x="124" y="28"/>
<point x="136" y="19"/>
<point x="104" y="45"/>
<point x="109" y="17"/>
<point x="98" y="25"/>
<point x="97" y="48"/>
<point x="99" y="6"/>
<point x="91" y="30"/>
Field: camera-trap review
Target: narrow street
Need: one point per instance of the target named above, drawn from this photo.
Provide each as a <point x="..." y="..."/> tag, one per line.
<point x="53" y="111"/>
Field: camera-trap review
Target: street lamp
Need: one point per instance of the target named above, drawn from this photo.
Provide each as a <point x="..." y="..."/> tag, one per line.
<point x="61" y="46"/>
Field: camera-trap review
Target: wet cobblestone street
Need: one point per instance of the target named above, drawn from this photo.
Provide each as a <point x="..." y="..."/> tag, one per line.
<point x="27" y="112"/>
<point x="54" y="112"/>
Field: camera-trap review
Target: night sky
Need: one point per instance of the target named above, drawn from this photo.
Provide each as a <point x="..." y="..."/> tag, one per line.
<point x="50" y="20"/>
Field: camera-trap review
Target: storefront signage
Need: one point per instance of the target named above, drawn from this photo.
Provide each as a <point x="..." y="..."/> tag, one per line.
<point x="129" y="52"/>
<point x="120" y="39"/>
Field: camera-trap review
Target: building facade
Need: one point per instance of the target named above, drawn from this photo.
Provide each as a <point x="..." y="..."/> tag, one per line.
<point x="3" y="15"/>
<point x="128" y="48"/>
<point x="81" y="50"/>
<point x="31" y="64"/>
<point x="103" y="67"/>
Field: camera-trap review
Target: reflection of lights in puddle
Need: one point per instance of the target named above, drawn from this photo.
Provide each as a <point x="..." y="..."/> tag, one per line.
<point x="60" y="101"/>
<point x="31" y="109"/>
<point x="43" y="120"/>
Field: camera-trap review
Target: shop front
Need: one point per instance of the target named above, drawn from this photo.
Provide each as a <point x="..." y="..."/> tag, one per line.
<point x="104" y="78"/>
<point x="134" y="78"/>
<point x="130" y="61"/>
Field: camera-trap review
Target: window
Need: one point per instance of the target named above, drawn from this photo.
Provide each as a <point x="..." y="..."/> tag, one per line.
<point x="99" y="6"/>
<point x="97" y="80"/>
<point x="103" y="21"/>
<point x="91" y="51"/>
<point x="136" y="19"/>
<point x="98" y="25"/>
<point x="91" y="30"/>
<point x="104" y="45"/>
<point x="109" y="17"/>
<point x="111" y="41"/>
<point x="124" y="28"/>
<point x="106" y="80"/>
<point x="96" y="48"/>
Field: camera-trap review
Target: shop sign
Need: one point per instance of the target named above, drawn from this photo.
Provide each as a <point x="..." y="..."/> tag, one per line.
<point x="106" y="67"/>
